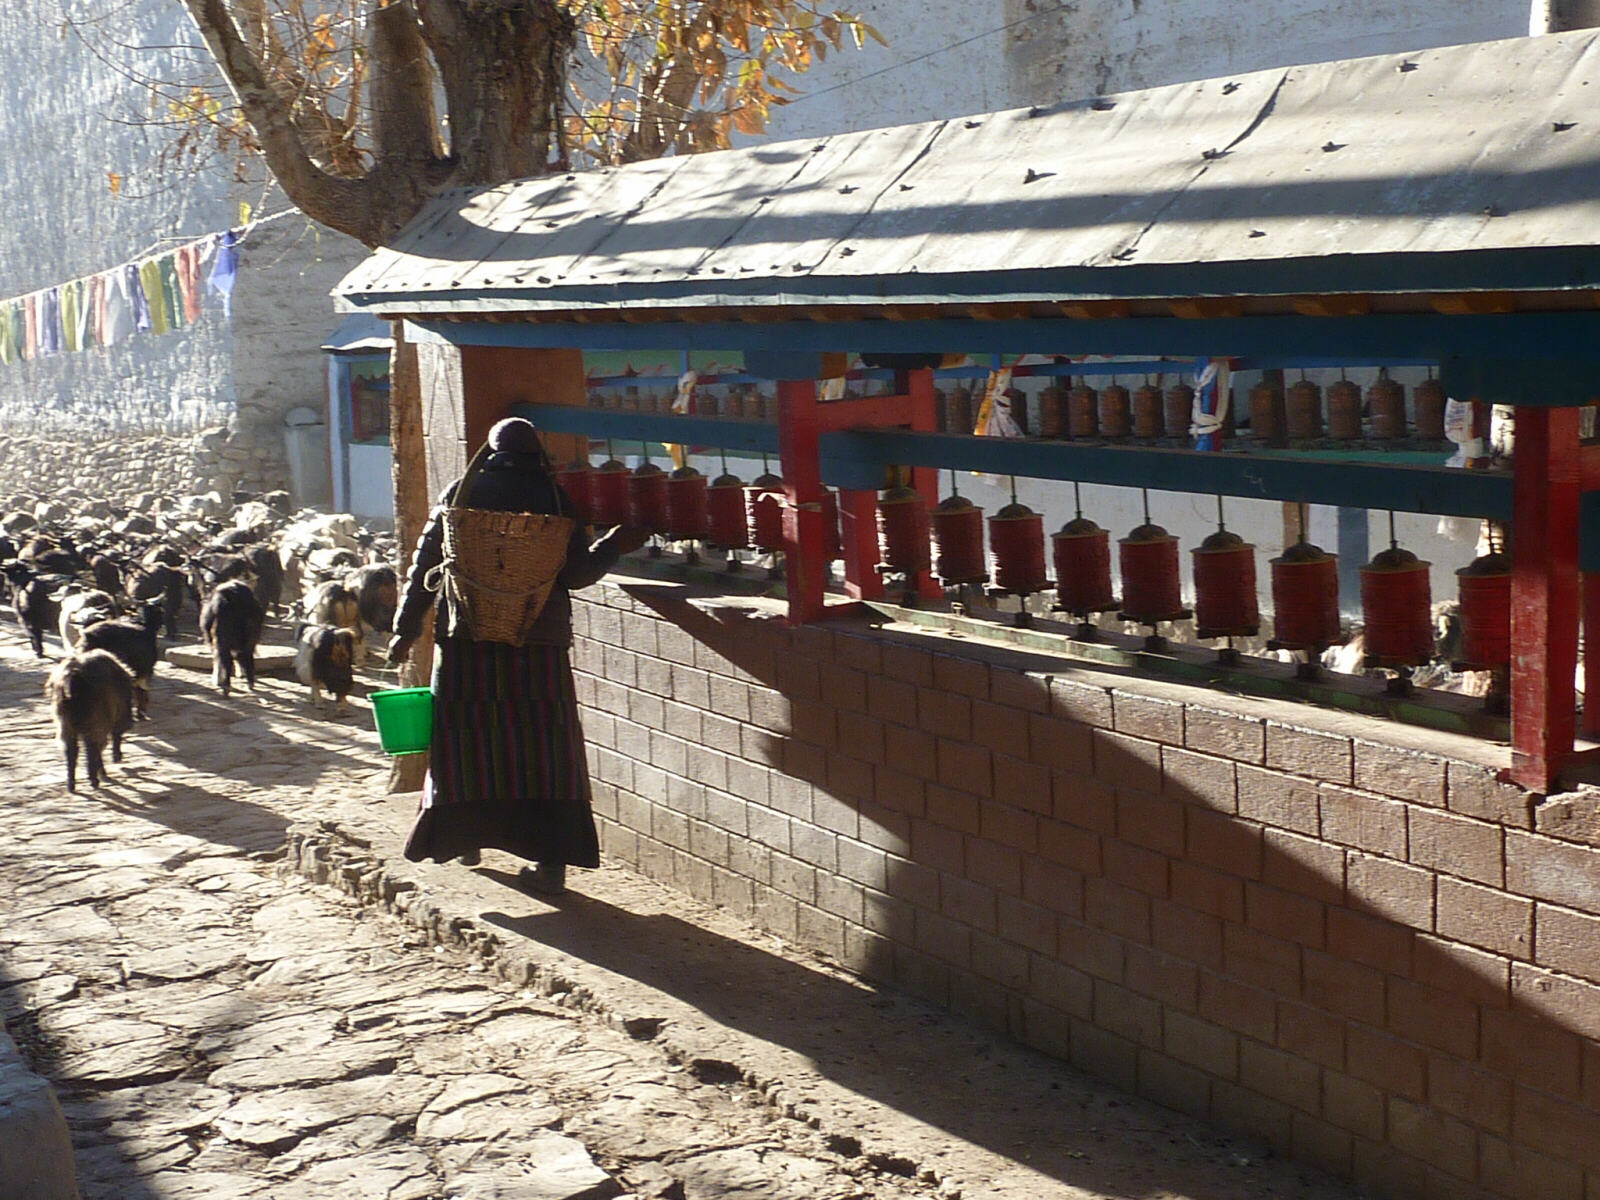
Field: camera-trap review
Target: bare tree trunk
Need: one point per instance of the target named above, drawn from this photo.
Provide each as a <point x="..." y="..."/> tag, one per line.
<point x="406" y="771"/>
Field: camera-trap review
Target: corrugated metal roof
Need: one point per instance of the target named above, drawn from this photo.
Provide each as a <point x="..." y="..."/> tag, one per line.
<point x="359" y="333"/>
<point x="1397" y="159"/>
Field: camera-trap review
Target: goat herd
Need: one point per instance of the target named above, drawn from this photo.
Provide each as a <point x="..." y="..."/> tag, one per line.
<point x="112" y="581"/>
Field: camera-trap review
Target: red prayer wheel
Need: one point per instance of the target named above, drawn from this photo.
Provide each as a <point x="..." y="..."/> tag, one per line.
<point x="1397" y="609"/>
<point x="904" y="545"/>
<point x="727" y="523"/>
<point x="1083" y="412"/>
<point x="1387" y="400"/>
<point x="1266" y="405"/>
<point x="1180" y="409"/>
<point x="1428" y="399"/>
<point x="1305" y="599"/>
<point x="957" y="529"/>
<point x="1116" y="420"/>
<point x="1149" y="415"/>
<point x="1082" y="553"/>
<point x="1344" y="411"/>
<point x="1225" y="587"/>
<point x="574" y="480"/>
<point x="763" y="506"/>
<point x="1151" y="590"/>
<point x="1016" y="534"/>
<point x="687" y="517"/>
<point x="608" y="493"/>
<point x="647" y="498"/>
<point x="1053" y="412"/>
<point x="1484" y="589"/>
<point x="1303" y="411"/>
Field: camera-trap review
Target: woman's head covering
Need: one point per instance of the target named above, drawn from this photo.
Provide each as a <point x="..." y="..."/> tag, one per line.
<point x="515" y="435"/>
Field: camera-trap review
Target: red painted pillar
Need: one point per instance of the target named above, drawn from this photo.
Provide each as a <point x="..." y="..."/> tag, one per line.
<point x="1544" y="594"/>
<point x="805" y="547"/>
<point x="925" y="479"/>
<point x="1591" y="658"/>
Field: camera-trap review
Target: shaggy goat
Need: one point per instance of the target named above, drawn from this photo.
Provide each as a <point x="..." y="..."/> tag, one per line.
<point x="92" y="695"/>
<point x="134" y="644"/>
<point x="231" y="621"/>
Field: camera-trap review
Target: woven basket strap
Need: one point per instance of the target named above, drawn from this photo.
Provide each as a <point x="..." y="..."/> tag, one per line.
<point x="464" y="488"/>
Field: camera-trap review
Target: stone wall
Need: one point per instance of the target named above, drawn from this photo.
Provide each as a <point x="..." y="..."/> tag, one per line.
<point x="1327" y="931"/>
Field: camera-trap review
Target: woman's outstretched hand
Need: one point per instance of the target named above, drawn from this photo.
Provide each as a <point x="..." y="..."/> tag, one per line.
<point x="400" y="650"/>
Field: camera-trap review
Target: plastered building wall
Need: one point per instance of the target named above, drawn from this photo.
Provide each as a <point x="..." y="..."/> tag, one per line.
<point x="200" y="408"/>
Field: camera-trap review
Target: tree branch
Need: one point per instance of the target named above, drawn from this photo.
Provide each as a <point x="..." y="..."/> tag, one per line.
<point x="352" y="206"/>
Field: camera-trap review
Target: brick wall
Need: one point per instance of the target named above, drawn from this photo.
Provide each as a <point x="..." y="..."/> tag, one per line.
<point x="1326" y="931"/>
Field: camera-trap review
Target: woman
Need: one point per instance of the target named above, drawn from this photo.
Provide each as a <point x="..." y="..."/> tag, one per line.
<point x="507" y="766"/>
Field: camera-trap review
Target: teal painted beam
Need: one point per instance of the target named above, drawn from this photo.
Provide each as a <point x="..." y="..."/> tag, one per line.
<point x="1511" y="338"/>
<point x="624" y="427"/>
<point x="855" y="459"/>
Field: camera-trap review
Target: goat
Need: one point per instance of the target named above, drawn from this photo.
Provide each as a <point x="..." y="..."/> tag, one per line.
<point x="134" y="644"/>
<point x="332" y="603"/>
<point x="325" y="658"/>
<point x="231" y="621"/>
<point x="377" y="595"/>
<point x="35" y="605"/>
<point x="81" y="609"/>
<point x="166" y="585"/>
<point x="62" y="559"/>
<point x="92" y="695"/>
<point x="268" y="570"/>
<point x="107" y="574"/>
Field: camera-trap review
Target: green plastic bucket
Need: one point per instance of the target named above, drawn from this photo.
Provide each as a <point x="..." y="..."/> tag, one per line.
<point x="404" y="717"/>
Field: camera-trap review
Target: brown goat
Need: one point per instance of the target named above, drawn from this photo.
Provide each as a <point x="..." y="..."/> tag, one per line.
<point x="92" y="695"/>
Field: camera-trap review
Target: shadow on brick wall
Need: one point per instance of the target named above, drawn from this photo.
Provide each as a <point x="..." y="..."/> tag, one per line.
<point x="1305" y="937"/>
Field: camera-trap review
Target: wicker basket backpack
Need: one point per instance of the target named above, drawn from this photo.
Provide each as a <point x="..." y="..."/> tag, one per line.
<point x="498" y="567"/>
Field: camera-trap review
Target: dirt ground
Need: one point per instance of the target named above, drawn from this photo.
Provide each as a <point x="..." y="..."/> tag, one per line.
<point x="218" y="1025"/>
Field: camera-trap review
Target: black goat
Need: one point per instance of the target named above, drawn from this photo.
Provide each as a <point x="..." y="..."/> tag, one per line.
<point x="107" y="574"/>
<point x="167" y="585"/>
<point x="35" y="605"/>
<point x="268" y="569"/>
<point x="134" y="644"/>
<point x="61" y="559"/>
<point x="231" y="621"/>
<point x="377" y="592"/>
<point x="92" y="695"/>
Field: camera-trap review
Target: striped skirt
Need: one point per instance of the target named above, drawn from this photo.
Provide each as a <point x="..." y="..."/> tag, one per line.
<point x="507" y="769"/>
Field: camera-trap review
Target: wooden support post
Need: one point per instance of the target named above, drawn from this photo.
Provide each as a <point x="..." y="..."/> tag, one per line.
<point x="1544" y="595"/>
<point x="804" y="544"/>
<point x="924" y="419"/>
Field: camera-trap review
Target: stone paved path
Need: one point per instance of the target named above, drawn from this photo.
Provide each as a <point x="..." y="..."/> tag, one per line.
<point x="218" y="1027"/>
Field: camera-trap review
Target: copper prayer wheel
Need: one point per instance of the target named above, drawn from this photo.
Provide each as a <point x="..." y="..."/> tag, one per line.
<point x="941" y="410"/>
<point x="1225" y="587"/>
<point x="1387" y="400"/>
<point x="686" y="505"/>
<point x="1083" y="411"/>
<point x="1053" y="412"/>
<point x="1149" y="412"/>
<point x="1397" y="609"/>
<point x="957" y="529"/>
<point x="1116" y="420"/>
<point x="1344" y="411"/>
<point x="1180" y="409"/>
<point x="1428" y="399"/>
<point x="958" y="410"/>
<point x="1303" y="411"/>
<point x="904" y="545"/>
<point x="1018" y="401"/>
<point x="1016" y="534"/>
<point x="1305" y="599"/>
<point x="1151" y="587"/>
<point x="1266" y="405"/>
<point x="1082" y="554"/>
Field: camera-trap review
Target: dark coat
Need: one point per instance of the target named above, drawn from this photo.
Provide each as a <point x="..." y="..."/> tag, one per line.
<point x="508" y="483"/>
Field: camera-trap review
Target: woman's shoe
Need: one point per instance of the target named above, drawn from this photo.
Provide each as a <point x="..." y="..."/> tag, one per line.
<point x="545" y="879"/>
